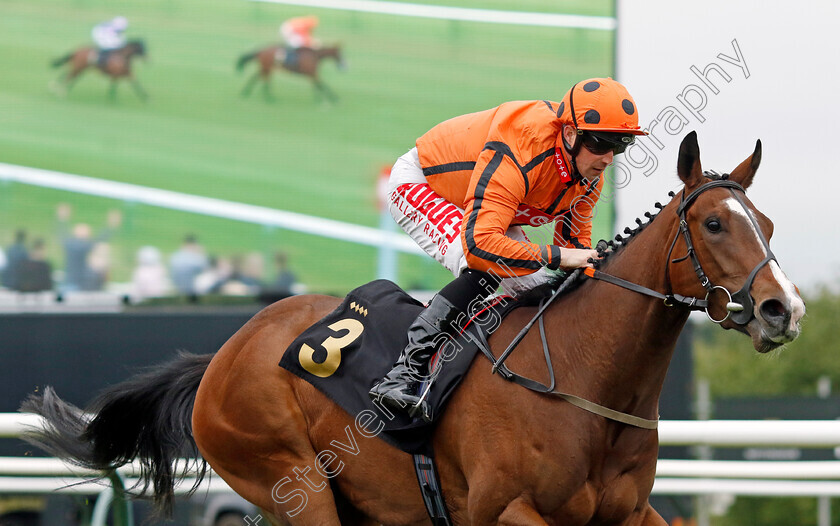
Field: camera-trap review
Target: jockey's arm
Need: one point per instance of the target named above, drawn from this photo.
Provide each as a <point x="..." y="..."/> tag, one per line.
<point x="496" y="190"/>
<point x="573" y="231"/>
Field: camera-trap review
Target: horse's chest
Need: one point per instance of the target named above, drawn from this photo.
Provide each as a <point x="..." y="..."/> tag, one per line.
<point x="612" y="503"/>
<point x="615" y="487"/>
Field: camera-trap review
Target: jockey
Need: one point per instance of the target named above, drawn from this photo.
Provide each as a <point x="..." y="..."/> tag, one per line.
<point x="464" y="190"/>
<point x="109" y="36"/>
<point x="297" y="32"/>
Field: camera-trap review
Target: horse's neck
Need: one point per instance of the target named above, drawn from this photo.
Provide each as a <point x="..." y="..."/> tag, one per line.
<point x="624" y="340"/>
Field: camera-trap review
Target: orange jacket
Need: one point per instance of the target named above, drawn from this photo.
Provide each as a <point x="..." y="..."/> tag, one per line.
<point x="502" y="166"/>
<point x="303" y="24"/>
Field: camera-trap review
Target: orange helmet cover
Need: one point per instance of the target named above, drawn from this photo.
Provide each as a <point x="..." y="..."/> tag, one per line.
<point x="600" y="104"/>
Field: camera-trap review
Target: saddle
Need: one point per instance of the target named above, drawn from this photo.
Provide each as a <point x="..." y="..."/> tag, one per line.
<point x="287" y="57"/>
<point x="354" y="346"/>
<point x="100" y="56"/>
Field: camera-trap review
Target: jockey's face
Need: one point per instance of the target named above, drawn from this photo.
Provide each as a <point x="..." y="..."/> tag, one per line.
<point x="589" y="164"/>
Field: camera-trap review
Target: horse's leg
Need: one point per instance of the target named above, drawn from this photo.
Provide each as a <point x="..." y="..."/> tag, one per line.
<point x="60" y="84"/>
<point x="265" y="457"/>
<point x="266" y="63"/>
<point x="246" y="91"/>
<point x="521" y="513"/>
<point x="266" y="78"/>
<point x="326" y="91"/>
<point x="651" y="518"/>
<point x="248" y="424"/>
<point x="138" y="89"/>
<point x="69" y="78"/>
<point x="112" y="91"/>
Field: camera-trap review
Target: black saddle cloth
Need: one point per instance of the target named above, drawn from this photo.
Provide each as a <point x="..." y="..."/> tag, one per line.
<point x="291" y="60"/>
<point x="354" y="346"/>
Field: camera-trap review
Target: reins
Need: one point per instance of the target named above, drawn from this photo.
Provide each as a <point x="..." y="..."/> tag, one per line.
<point x="503" y="371"/>
<point x="739" y="305"/>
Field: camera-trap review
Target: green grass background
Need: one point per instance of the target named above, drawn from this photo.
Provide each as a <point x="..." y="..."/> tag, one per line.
<point x="197" y="135"/>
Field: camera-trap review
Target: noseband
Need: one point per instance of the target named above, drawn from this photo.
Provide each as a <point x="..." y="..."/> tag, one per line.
<point x="739" y="305"/>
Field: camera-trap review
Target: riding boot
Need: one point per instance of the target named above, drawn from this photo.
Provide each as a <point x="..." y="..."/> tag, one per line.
<point x="102" y="58"/>
<point x="399" y="389"/>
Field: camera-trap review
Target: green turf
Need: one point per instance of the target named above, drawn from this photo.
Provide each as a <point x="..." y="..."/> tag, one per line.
<point x="196" y="135"/>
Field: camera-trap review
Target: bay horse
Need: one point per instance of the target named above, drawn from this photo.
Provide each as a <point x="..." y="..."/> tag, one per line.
<point x="506" y="455"/>
<point x="117" y="66"/>
<point x="305" y="63"/>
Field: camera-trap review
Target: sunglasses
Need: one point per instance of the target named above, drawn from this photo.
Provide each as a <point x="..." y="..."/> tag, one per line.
<point x="602" y="143"/>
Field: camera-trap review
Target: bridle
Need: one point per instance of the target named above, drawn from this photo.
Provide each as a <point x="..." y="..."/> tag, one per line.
<point x="739" y="305"/>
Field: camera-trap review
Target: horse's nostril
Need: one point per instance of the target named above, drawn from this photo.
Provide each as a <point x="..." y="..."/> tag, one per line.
<point x="773" y="310"/>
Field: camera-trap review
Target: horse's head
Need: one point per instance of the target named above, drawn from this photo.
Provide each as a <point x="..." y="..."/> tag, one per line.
<point x="724" y="239"/>
<point x="334" y="52"/>
<point x="135" y="47"/>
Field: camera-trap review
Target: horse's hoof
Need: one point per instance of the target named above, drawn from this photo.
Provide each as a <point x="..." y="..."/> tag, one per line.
<point x="58" y="89"/>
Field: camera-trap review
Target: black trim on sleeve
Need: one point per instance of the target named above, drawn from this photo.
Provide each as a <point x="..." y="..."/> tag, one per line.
<point x="555" y="258"/>
<point x="538" y="160"/>
<point x="503" y="148"/>
<point x="449" y="167"/>
<point x="566" y="231"/>
<point x="469" y="232"/>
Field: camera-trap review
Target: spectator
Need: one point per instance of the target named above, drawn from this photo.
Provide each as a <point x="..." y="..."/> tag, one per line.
<point x="285" y="280"/>
<point x="253" y="270"/>
<point x="218" y="270"/>
<point x="16" y="255"/>
<point x="243" y="280"/>
<point x="98" y="267"/>
<point x="186" y="263"/>
<point x="78" y="246"/>
<point x="36" y="272"/>
<point x="150" y="277"/>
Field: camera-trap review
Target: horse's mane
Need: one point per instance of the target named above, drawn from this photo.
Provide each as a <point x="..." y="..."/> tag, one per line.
<point x="607" y="251"/>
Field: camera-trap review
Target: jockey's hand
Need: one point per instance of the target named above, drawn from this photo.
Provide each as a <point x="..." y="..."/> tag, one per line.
<point x="572" y="258"/>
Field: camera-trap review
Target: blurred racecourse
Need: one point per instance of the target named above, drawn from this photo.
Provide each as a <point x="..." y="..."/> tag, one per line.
<point x="197" y="135"/>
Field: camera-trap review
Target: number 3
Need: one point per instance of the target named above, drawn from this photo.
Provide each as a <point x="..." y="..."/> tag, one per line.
<point x="333" y="347"/>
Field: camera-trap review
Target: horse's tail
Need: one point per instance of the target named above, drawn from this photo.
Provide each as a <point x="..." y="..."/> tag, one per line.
<point x="147" y="417"/>
<point x="63" y="60"/>
<point x="244" y="59"/>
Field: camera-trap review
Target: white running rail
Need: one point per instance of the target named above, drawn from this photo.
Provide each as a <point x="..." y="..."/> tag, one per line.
<point x="209" y="206"/>
<point x="602" y="23"/>
<point x="673" y="477"/>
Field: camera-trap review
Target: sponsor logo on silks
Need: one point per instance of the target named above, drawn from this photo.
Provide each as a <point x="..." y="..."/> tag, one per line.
<point x="420" y="204"/>
<point x="526" y="215"/>
<point x="560" y="164"/>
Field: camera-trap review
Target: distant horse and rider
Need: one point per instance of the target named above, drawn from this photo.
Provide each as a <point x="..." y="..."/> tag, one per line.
<point x="506" y="454"/>
<point x="301" y="61"/>
<point x="115" y="64"/>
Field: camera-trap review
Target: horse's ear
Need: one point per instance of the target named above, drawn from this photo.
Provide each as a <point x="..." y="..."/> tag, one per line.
<point x="688" y="162"/>
<point x="745" y="172"/>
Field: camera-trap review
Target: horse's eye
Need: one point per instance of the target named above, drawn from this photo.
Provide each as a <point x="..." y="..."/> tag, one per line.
<point x="713" y="225"/>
